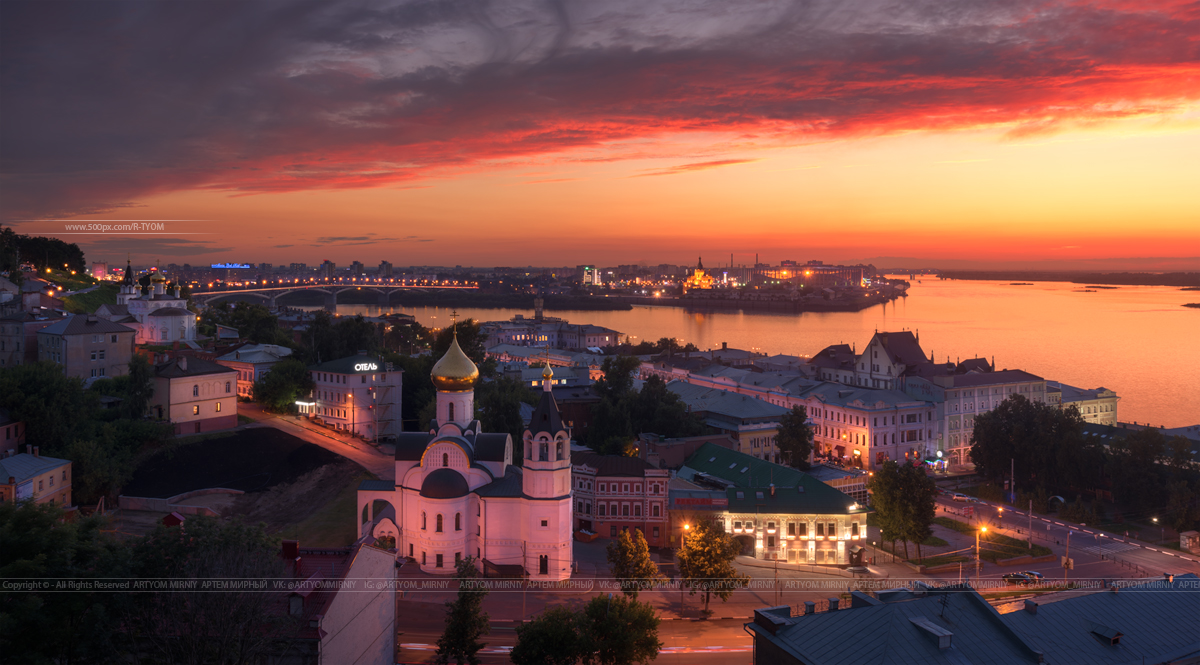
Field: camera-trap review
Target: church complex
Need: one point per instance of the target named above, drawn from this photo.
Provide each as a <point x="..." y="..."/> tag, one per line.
<point x="458" y="494"/>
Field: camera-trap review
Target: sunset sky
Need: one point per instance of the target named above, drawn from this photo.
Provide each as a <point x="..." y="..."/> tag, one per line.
<point x="1005" y="132"/>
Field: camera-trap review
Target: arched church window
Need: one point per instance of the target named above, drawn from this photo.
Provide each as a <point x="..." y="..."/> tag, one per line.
<point x="543" y="452"/>
<point x="458" y="521"/>
<point x="451" y="416"/>
<point x="558" y="451"/>
<point x="195" y="391"/>
<point x="439" y="523"/>
<point x="445" y="459"/>
<point x="423" y="525"/>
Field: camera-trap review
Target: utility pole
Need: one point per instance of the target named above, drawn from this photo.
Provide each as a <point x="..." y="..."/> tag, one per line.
<point x="1067" y="559"/>
<point x="1031" y="524"/>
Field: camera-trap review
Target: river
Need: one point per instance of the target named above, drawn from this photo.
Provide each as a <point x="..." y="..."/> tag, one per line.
<point x="1137" y="340"/>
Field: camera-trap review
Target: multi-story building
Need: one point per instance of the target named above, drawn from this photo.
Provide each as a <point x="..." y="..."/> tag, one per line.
<point x="39" y="479"/>
<point x="195" y="395"/>
<point x="775" y="512"/>
<point x="18" y="335"/>
<point x="87" y="347"/>
<point x="252" y="362"/>
<point x="614" y="493"/>
<point x="327" y="270"/>
<point x="385" y="269"/>
<point x="1097" y="405"/>
<point x="356" y="268"/>
<point x="12" y="434"/>
<point x="865" y="427"/>
<point x="358" y="394"/>
<point x="752" y="423"/>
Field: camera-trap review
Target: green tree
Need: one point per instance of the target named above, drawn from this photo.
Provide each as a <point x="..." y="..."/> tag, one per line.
<point x="620" y="630"/>
<point x="795" y="438"/>
<point x="656" y="409"/>
<point x="47" y="627"/>
<point x="278" y="389"/>
<point x="253" y="321"/>
<point x="1181" y="506"/>
<point x="618" y="376"/>
<point x="140" y="387"/>
<point x="1033" y="437"/>
<point x="1133" y="466"/>
<point x="498" y="405"/>
<point x="706" y="561"/>
<point x="555" y="637"/>
<point x="629" y="561"/>
<point x="54" y="407"/>
<point x="470" y="339"/>
<point x="887" y="498"/>
<point x="466" y="621"/>
<point x="918" y="501"/>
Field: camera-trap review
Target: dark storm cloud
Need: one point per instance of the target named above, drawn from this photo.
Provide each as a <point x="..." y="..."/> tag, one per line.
<point x="104" y="103"/>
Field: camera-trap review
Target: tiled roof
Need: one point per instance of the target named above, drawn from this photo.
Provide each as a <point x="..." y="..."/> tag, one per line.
<point x="508" y="486"/>
<point x="83" y="324"/>
<point x="902" y="346"/>
<point x="171" y="312"/>
<point x="25" y="466"/>
<point x="611" y="465"/>
<point x="840" y="395"/>
<point x="188" y="366"/>
<point x="994" y="378"/>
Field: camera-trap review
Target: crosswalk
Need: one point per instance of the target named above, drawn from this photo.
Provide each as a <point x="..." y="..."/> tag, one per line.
<point x="1109" y="548"/>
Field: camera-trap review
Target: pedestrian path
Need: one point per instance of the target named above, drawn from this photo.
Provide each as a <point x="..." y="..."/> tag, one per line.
<point x="1109" y="548"/>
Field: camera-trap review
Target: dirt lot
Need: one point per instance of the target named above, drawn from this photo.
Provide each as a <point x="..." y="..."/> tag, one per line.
<point x="291" y="503"/>
<point x="251" y="460"/>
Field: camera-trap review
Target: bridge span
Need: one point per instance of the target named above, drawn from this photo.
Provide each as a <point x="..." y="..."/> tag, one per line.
<point x="270" y="294"/>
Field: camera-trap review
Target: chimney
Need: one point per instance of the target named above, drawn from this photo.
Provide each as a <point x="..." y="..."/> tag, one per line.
<point x="1031" y="607"/>
<point x="833" y="604"/>
<point x="183" y="363"/>
<point x="772" y="489"/>
<point x="724" y="345"/>
<point x="12" y="480"/>
<point x="809" y="607"/>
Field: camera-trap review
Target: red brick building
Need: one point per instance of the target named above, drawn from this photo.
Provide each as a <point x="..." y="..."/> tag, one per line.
<point x="614" y="493"/>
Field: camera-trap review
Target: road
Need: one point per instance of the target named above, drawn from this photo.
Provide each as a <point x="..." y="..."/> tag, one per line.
<point x="379" y="461"/>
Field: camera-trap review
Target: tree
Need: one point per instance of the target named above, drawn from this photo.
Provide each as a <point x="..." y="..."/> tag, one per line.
<point x="55" y="407"/>
<point x="287" y="381"/>
<point x="1133" y="466"/>
<point x="555" y="637"/>
<point x="629" y="560"/>
<point x="887" y="487"/>
<point x="466" y="621"/>
<point x="656" y="409"/>
<point x="498" y="405"/>
<point x="1037" y="439"/>
<point x="232" y="626"/>
<point x="706" y="561"/>
<point x="618" y="376"/>
<point x="1181" y="506"/>
<point x="918" y="501"/>
<point x="795" y="438"/>
<point x="470" y="339"/>
<point x="140" y="388"/>
<point x="620" y="630"/>
<point x="253" y="321"/>
<point x="46" y="627"/>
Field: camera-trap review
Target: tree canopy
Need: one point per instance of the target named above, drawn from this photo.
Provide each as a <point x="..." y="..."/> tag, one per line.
<point x="629" y="560"/>
<point x="795" y="438"/>
<point x="466" y="621"/>
<point x="706" y="561"/>
<point x="278" y="389"/>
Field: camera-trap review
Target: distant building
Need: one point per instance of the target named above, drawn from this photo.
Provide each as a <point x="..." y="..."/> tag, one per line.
<point x="356" y="268"/>
<point x="699" y="279"/>
<point x="752" y="423"/>
<point x="385" y="269"/>
<point x="31" y="476"/>
<point x="358" y="394"/>
<point x="158" y="314"/>
<point x="1097" y="405"/>
<point x="18" y="335"/>
<point x="100" y="270"/>
<point x="87" y="347"/>
<point x="252" y="362"/>
<point x="12" y="434"/>
<point x="615" y="493"/>
<point x="327" y="270"/>
<point x="195" y="395"/>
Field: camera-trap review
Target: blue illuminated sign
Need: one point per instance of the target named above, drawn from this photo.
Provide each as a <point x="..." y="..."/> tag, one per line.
<point x="231" y="265"/>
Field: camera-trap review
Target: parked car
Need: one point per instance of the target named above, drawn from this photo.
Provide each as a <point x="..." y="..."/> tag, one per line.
<point x="1033" y="574"/>
<point x="1018" y="578"/>
<point x="958" y="497"/>
<point x="972" y="499"/>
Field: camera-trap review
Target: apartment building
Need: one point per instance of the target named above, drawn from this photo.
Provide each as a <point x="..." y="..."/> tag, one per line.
<point x="87" y="346"/>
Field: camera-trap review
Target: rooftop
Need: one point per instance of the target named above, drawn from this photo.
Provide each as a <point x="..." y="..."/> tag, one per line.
<point x="26" y="466"/>
<point x="83" y="324"/>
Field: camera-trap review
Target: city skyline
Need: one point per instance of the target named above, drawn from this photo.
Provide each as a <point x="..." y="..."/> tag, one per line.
<point x="1030" y="135"/>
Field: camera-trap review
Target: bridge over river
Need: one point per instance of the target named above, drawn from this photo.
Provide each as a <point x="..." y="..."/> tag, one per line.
<point x="329" y="292"/>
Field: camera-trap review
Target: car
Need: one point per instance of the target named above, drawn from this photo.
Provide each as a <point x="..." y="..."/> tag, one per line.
<point x="1018" y="578"/>
<point x="972" y="499"/>
<point x="1033" y="574"/>
<point x="958" y="497"/>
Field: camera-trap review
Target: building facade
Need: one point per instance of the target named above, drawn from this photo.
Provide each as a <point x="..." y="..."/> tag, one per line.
<point x="614" y="493"/>
<point x="195" y="395"/>
<point x="159" y="314"/>
<point x="18" y="336"/>
<point x="358" y="394"/>
<point x="457" y="493"/>
<point x="87" y="347"/>
<point x="252" y="362"/>
<point x="36" y="478"/>
<point x="1097" y="406"/>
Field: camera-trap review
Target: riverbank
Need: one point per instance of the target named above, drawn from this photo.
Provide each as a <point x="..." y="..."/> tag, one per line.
<point x="746" y="305"/>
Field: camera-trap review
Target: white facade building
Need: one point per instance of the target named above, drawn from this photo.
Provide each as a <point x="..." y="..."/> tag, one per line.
<point x="1097" y="406"/>
<point x="457" y="493"/>
<point x="359" y="394"/>
<point x="160" y="316"/>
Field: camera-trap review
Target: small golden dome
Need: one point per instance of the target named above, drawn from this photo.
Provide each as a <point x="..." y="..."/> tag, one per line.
<point x="158" y="277"/>
<point x="454" y="373"/>
<point x="547" y="373"/>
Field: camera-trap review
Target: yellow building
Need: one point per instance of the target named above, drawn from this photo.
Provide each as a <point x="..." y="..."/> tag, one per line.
<point x="699" y="278"/>
<point x="31" y="476"/>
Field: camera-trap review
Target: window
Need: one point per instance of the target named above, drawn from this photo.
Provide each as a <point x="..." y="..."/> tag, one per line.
<point x="625" y="510"/>
<point x="445" y="459"/>
<point x="196" y="410"/>
<point x="423" y="524"/>
<point x="93" y="356"/>
<point x="832" y="529"/>
<point x="625" y="488"/>
<point x="601" y="487"/>
<point x="791" y="529"/>
<point x="450" y="413"/>
<point x="439" y="560"/>
<point x="545" y="523"/>
<point x="458" y="521"/>
<point x="410" y="549"/>
<point x="114" y="339"/>
<point x="600" y="512"/>
<point x="612" y="530"/>
<point x="218" y="407"/>
<point x="195" y="391"/>
<point x="226" y="383"/>
<point x="439" y="523"/>
<point x="737" y="525"/>
<point x="820" y="529"/>
<point x="654" y="510"/>
<point x="637" y="510"/>
<point x="770" y="541"/>
<point x="544" y="564"/>
<point x="656" y="532"/>
<point x="457" y="558"/>
<point x="854" y="529"/>
<point x="52" y="481"/>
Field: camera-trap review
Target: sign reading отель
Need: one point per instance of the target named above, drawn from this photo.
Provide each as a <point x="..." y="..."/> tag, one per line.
<point x="366" y="367"/>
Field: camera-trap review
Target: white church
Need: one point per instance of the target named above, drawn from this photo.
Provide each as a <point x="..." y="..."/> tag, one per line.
<point x="457" y="493"/>
<point x="159" y="315"/>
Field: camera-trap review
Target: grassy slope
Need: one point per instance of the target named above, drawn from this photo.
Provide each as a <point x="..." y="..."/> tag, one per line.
<point x="90" y="301"/>
<point x="331" y="526"/>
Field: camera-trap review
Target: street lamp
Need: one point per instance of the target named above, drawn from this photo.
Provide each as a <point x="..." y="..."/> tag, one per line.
<point x="1162" y="530"/>
<point x="682" y="542"/>
<point x="978" y="561"/>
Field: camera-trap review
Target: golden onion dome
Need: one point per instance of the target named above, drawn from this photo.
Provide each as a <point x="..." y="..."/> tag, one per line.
<point x="158" y="277"/>
<point x="454" y="372"/>
<point x="547" y="373"/>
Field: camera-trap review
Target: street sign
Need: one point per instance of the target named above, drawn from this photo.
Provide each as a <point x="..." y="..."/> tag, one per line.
<point x="1068" y="564"/>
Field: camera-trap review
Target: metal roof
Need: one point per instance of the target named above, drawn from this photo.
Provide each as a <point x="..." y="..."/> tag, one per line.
<point x="25" y="466"/>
